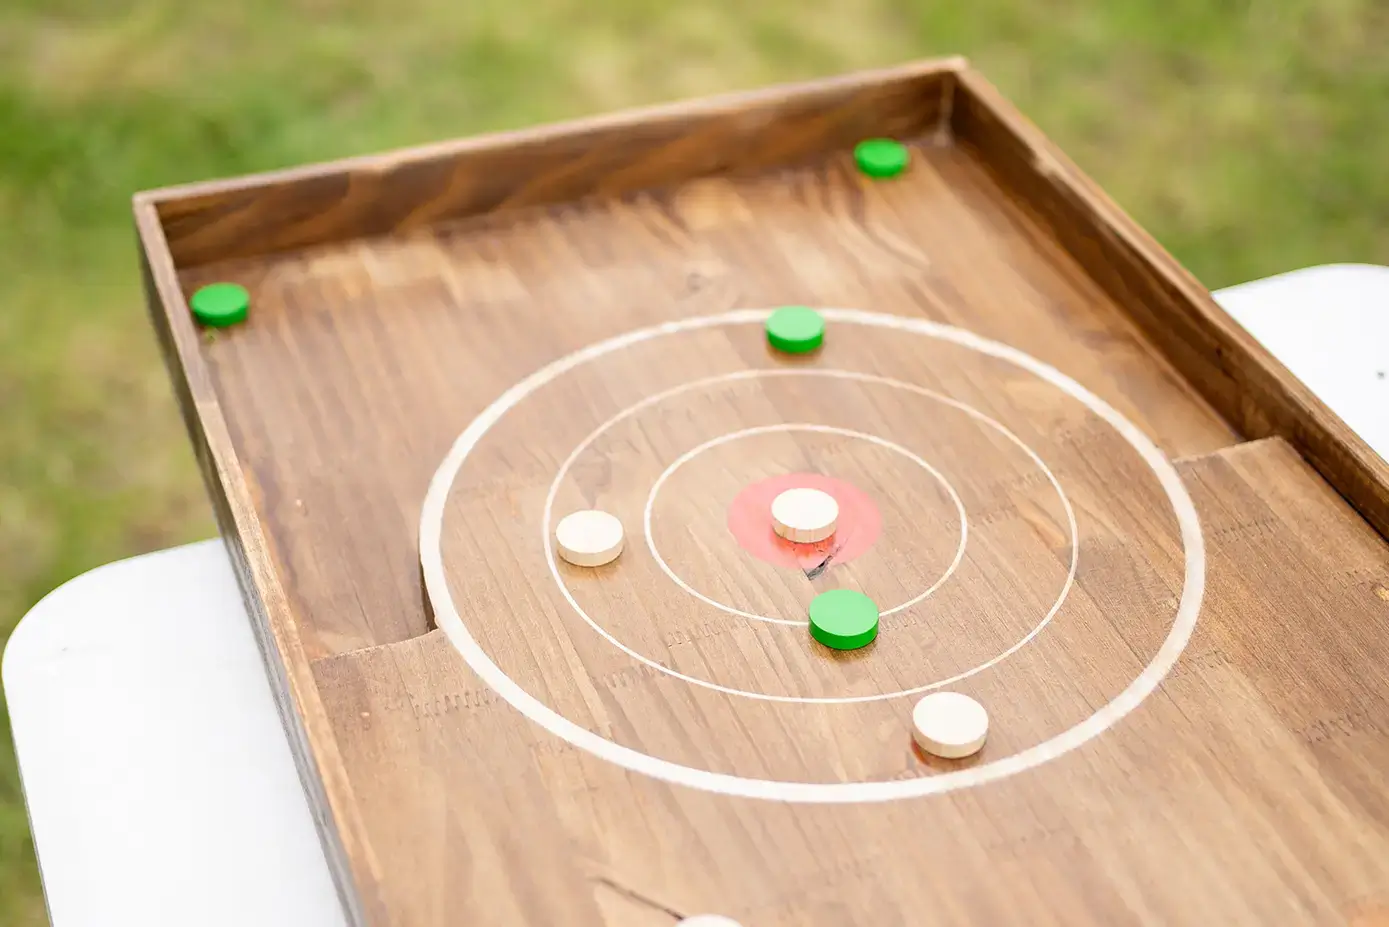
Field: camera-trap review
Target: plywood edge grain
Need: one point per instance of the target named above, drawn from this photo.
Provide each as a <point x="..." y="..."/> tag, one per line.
<point x="1272" y="445"/>
<point x="301" y="710"/>
<point x="1274" y="448"/>
<point x="620" y="152"/>
<point x="1240" y="379"/>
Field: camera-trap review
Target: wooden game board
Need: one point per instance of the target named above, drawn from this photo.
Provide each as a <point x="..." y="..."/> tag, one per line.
<point x="1106" y="513"/>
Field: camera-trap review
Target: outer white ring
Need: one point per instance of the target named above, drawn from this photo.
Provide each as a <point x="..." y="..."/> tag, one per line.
<point x="694" y="452"/>
<point x="447" y="617"/>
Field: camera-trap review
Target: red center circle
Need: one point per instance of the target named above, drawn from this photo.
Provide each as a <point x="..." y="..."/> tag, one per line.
<point x="750" y="522"/>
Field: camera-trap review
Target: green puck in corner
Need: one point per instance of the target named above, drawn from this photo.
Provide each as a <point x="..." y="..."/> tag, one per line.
<point x="795" y="329"/>
<point x="843" y="619"/>
<point x="881" y="157"/>
<point x="220" y="304"/>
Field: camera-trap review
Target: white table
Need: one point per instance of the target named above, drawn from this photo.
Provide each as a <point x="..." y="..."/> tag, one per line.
<point x="1330" y="326"/>
<point x="159" y="783"/>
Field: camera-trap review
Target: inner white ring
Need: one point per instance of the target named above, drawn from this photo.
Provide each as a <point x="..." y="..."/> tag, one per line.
<point x="843" y="375"/>
<point x="451" y="623"/>
<point x="694" y="452"/>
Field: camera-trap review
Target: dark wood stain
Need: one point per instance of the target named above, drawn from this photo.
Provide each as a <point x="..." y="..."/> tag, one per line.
<point x="395" y="296"/>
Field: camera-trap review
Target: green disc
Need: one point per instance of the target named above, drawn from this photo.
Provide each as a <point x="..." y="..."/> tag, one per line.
<point x="220" y="304"/>
<point x="843" y="619"/>
<point x="795" y="329"/>
<point x="881" y="157"/>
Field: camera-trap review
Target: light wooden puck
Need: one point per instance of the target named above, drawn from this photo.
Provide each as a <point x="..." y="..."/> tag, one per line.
<point x="805" y="515"/>
<point x="589" y="538"/>
<point x="708" y="920"/>
<point x="949" y="725"/>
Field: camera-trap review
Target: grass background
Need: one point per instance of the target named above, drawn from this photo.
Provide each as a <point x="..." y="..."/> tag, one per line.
<point x="1251" y="136"/>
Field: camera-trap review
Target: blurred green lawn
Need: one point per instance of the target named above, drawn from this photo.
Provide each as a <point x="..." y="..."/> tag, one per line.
<point x="1250" y="137"/>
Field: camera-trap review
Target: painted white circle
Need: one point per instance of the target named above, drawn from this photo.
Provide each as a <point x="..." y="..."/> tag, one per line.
<point x="589" y="538"/>
<point x="949" y="724"/>
<point x="804" y="515"/>
<point x="447" y="617"/>
<point x="827" y="429"/>
<point x="694" y="452"/>
<point x="650" y="508"/>
<point x="708" y="920"/>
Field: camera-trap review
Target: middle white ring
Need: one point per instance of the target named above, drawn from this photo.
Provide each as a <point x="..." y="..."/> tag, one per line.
<point x="741" y="375"/>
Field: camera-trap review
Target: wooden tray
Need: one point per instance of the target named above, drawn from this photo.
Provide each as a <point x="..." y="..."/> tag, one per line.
<point x="1095" y="504"/>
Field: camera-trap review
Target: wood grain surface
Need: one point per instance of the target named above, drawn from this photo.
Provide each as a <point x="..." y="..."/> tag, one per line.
<point x="1248" y="386"/>
<point x="396" y="297"/>
<point x="341" y="445"/>
<point x="1249" y="790"/>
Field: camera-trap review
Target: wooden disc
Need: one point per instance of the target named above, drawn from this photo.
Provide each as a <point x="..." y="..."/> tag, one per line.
<point x="805" y="515"/>
<point x="949" y="724"/>
<point x="843" y="619"/>
<point x="589" y="538"/>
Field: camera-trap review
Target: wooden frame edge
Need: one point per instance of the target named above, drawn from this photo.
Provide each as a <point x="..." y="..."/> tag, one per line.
<point x="1226" y="365"/>
<point x="609" y="154"/>
<point x="628" y="117"/>
<point x="306" y="723"/>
